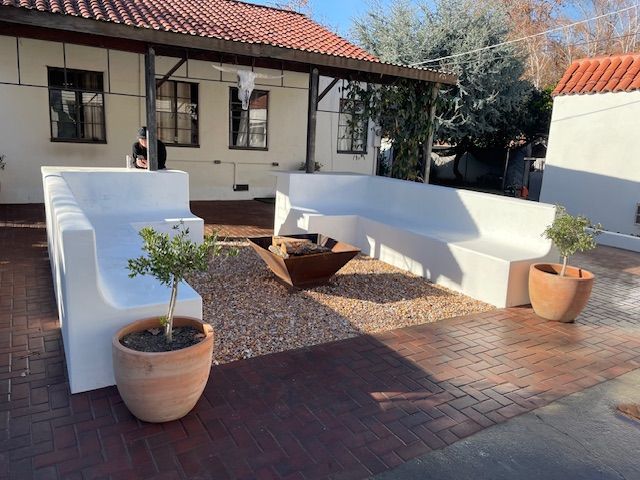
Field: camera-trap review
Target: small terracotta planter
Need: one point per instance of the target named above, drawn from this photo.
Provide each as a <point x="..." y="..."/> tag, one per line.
<point x="163" y="386"/>
<point x="559" y="298"/>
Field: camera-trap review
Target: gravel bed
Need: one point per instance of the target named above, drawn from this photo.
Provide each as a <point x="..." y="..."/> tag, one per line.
<point x="253" y="314"/>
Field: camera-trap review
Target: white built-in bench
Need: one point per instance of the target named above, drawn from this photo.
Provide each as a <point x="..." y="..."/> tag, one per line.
<point x="475" y="243"/>
<point x="93" y="220"/>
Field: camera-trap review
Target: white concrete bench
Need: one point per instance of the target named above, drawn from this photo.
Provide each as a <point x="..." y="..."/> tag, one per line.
<point x="475" y="243"/>
<point x="93" y="219"/>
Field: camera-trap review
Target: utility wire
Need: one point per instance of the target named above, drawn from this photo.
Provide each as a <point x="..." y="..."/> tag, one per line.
<point x="497" y="55"/>
<point x="509" y="42"/>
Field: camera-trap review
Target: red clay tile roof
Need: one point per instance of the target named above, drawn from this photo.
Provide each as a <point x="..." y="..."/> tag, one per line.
<point x="225" y="19"/>
<point x="617" y="73"/>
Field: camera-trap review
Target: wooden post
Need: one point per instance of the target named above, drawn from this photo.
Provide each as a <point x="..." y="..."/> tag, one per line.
<point x="150" y="88"/>
<point x="314" y="81"/>
<point x="428" y="146"/>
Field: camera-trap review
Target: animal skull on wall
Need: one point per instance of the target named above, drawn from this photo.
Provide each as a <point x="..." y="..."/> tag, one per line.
<point x="246" y="82"/>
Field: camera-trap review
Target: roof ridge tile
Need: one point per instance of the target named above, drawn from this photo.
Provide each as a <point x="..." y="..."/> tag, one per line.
<point x="607" y="73"/>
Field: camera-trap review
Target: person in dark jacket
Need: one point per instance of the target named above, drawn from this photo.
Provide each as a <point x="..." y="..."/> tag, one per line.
<point x="139" y="152"/>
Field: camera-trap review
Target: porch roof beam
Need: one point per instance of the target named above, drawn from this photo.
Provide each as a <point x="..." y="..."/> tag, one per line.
<point x="376" y="72"/>
<point x="327" y="90"/>
<point x="173" y="70"/>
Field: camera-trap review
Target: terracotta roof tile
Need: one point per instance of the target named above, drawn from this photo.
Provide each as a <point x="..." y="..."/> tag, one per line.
<point x="616" y="73"/>
<point x="225" y="19"/>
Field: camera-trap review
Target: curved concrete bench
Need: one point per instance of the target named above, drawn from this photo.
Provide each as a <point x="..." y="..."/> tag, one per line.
<point x="475" y="243"/>
<point x="93" y="219"/>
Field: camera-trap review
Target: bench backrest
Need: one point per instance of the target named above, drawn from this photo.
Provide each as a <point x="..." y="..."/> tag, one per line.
<point x="469" y="213"/>
<point x="129" y="193"/>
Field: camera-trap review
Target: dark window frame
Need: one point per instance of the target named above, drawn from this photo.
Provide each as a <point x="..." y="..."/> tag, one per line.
<point x="364" y="119"/>
<point x="194" y="87"/>
<point x="240" y="147"/>
<point x="78" y="94"/>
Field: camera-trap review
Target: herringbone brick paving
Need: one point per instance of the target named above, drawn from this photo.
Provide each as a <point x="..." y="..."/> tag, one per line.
<point x="342" y="410"/>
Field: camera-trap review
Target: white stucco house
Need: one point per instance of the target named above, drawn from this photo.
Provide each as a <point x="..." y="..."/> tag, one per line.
<point x="593" y="165"/>
<point x="73" y="91"/>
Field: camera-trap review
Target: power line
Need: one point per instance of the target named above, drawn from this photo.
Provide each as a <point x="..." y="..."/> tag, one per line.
<point x="497" y="55"/>
<point x="509" y="42"/>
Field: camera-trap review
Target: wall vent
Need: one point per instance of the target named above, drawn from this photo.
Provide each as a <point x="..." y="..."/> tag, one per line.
<point x="638" y="214"/>
<point x="240" y="187"/>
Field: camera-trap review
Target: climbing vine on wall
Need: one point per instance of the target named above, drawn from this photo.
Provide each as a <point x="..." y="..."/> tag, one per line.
<point x="401" y="111"/>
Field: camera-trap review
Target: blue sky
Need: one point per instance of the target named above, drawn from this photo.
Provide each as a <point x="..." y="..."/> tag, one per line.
<point x="337" y="14"/>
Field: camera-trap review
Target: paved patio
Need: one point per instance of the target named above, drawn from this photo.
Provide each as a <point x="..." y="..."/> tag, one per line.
<point x="342" y="410"/>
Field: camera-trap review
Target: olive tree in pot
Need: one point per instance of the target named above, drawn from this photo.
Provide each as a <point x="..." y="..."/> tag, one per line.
<point x="161" y="365"/>
<point x="558" y="291"/>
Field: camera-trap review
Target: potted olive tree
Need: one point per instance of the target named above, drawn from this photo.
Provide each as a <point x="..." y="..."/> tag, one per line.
<point x="558" y="291"/>
<point x="161" y="365"/>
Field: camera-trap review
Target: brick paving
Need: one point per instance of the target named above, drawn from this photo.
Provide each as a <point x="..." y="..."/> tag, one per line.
<point x="341" y="410"/>
<point x="235" y="219"/>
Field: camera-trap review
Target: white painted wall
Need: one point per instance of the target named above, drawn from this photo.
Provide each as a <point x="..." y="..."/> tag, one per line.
<point x="593" y="163"/>
<point x="25" y="131"/>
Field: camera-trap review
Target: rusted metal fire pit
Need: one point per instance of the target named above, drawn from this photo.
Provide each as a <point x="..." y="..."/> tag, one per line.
<point x="310" y="270"/>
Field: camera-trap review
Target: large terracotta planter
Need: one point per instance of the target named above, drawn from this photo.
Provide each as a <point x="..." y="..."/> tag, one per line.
<point x="559" y="298"/>
<point x="164" y="386"/>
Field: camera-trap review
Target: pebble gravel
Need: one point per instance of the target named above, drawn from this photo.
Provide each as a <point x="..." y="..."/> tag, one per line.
<point x="254" y="314"/>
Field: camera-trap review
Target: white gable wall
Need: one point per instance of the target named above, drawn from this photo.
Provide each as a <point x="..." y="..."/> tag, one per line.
<point x="25" y="123"/>
<point x="593" y="163"/>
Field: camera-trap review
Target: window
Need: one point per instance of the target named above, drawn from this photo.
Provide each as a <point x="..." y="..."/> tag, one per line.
<point x="76" y="106"/>
<point x="352" y="127"/>
<point x="177" y="113"/>
<point x="248" y="128"/>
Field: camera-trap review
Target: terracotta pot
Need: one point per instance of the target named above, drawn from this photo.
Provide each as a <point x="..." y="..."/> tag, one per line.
<point x="559" y="298"/>
<point x="164" y="386"/>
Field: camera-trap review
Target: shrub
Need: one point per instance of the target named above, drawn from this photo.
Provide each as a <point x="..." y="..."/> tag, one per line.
<point x="170" y="259"/>
<point x="571" y="234"/>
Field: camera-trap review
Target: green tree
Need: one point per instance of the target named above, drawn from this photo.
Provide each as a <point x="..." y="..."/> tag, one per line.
<point x="487" y="106"/>
<point x="571" y="235"/>
<point x="169" y="259"/>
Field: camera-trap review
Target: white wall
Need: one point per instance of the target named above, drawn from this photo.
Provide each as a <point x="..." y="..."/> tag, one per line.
<point x="593" y="162"/>
<point x="25" y="131"/>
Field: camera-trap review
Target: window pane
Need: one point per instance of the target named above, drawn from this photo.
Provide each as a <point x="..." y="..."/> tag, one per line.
<point x="166" y="135"/>
<point x="352" y="127"/>
<point x="177" y="108"/>
<point x="249" y="127"/>
<point x="76" y="109"/>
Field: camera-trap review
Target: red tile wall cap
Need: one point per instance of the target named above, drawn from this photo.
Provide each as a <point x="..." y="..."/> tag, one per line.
<point x="613" y="73"/>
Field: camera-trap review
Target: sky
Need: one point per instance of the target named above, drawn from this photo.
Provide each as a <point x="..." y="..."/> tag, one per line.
<point x="337" y="14"/>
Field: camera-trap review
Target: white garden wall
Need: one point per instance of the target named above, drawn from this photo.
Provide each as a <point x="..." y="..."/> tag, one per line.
<point x="593" y="163"/>
<point x="25" y="131"/>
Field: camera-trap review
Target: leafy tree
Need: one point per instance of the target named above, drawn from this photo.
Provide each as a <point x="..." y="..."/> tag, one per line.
<point x="487" y="106"/>
<point x="570" y="235"/>
<point x="169" y="260"/>
<point x="489" y="89"/>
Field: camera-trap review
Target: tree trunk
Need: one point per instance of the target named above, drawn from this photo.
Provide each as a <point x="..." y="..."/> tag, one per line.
<point x="564" y="266"/>
<point x="172" y="306"/>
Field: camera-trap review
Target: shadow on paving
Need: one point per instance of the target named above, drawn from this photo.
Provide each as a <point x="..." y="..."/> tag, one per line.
<point x="347" y="409"/>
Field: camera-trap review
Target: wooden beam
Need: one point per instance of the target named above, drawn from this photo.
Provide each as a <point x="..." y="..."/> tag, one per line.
<point x="150" y="89"/>
<point x="428" y="147"/>
<point x="328" y="89"/>
<point x="312" y="113"/>
<point x="167" y="75"/>
<point x="149" y="36"/>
